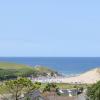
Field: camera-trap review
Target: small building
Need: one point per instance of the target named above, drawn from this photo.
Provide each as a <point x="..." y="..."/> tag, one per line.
<point x="68" y="92"/>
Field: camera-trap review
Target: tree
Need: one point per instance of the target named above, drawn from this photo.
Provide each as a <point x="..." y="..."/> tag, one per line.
<point x="50" y="87"/>
<point x="93" y="92"/>
<point x="50" y="90"/>
<point x="21" y="86"/>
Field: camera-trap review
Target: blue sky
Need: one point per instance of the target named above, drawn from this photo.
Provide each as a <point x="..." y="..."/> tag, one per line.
<point x="67" y="28"/>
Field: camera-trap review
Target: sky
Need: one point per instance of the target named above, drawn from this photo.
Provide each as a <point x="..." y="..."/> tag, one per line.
<point x="50" y="28"/>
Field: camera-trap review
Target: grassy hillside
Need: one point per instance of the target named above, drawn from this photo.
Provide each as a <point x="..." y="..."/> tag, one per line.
<point x="12" y="70"/>
<point x="44" y="71"/>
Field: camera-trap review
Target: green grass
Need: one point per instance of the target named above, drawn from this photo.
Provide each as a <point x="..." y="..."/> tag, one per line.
<point x="12" y="70"/>
<point x="65" y="86"/>
<point x="43" y="69"/>
<point x="6" y="65"/>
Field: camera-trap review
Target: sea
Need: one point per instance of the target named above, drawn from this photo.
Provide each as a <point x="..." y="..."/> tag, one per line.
<point x="64" y="65"/>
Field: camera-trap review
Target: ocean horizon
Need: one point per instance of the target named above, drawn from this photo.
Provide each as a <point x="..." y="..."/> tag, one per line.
<point x="64" y="65"/>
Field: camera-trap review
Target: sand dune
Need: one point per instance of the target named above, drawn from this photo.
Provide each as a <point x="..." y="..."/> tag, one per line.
<point x="89" y="77"/>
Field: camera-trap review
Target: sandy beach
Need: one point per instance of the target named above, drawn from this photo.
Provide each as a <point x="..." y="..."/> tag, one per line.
<point x="88" y="77"/>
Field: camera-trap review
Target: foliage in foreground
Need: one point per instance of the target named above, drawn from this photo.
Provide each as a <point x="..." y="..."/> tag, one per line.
<point x="21" y="86"/>
<point x="93" y="92"/>
<point x="50" y="87"/>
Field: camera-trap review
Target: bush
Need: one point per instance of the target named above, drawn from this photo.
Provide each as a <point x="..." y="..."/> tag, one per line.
<point x="93" y="92"/>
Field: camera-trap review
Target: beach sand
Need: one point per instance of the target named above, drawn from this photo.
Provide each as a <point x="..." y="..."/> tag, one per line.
<point x="88" y="77"/>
